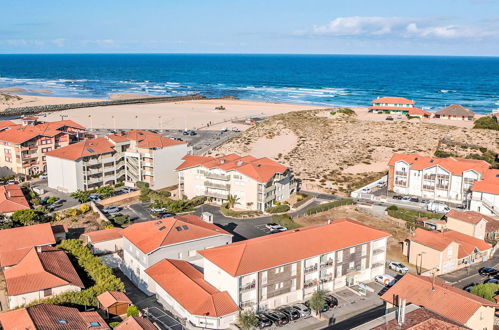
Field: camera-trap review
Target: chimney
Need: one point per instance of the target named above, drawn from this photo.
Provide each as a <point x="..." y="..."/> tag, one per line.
<point x="38" y="249"/>
<point x="207" y="217"/>
<point x="401" y="312"/>
<point x="222" y="161"/>
<point x="329" y="222"/>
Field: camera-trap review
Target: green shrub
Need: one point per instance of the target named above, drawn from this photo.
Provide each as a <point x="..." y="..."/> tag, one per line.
<point x="247" y="320"/>
<point x="132" y="311"/>
<point x="25" y="217"/>
<point x="120" y="220"/>
<point x="346" y="111"/>
<point x="443" y="154"/>
<point x="224" y="209"/>
<point x="328" y="206"/>
<point x="486" y="123"/>
<point x="412" y="215"/>
<point x="392" y="208"/>
<point x="285" y="221"/>
<point x="52" y="200"/>
<point x="278" y="209"/>
<point x="113" y="325"/>
<point x="199" y="200"/>
<point x="487" y="291"/>
<point x="82" y="196"/>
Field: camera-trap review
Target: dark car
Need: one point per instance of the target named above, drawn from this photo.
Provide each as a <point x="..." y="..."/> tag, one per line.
<point x="277" y="318"/>
<point x="491" y="280"/>
<point x="290" y="312"/>
<point x="389" y="118"/>
<point x="414" y="199"/>
<point x="192" y="133"/>
<point x="167" y="215"/>
<point x="397" y="197"/>
<point x="468" y="287"/>
<point x="185" y="132"/>
<point x="263" y="321"/>
<point x="331" y="301"/>
<point x="487" y="271"/>
<point x="323" y="310"/>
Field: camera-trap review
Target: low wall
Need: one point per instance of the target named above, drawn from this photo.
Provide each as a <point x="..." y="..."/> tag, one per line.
<point x="102" y="216"/>
<point x="119" y="198"/>
<point x="20" y="111"/>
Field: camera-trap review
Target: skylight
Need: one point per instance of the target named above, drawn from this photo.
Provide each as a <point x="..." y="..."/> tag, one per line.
<point x="63" y="322"/>
<point x="185" y="227"/>
<point x="178" y="228"/>
<point x="91" y="150"/>
<point x="94" y="324"/>
<point x="162" y="228"/>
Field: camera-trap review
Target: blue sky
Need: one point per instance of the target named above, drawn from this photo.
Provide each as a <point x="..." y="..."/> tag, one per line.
<point x="437" y="27"/>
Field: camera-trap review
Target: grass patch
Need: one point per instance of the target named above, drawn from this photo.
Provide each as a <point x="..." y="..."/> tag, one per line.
<point x="411" y="215"/>
<point x="285" y="221"/>
<point x="305" y="198"/>
<point x="224" y="209"/>
<point x="328" y="206"/>
<point x="278" y="209"/>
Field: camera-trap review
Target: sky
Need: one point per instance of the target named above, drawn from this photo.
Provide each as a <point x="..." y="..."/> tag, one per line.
<point x="398" y="27"/>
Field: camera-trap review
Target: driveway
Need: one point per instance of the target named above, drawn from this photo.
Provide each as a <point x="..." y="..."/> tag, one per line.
<point x="68" y="200"/>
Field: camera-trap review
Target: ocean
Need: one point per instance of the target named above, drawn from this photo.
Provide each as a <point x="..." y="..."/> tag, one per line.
<point x="331" y="80"/>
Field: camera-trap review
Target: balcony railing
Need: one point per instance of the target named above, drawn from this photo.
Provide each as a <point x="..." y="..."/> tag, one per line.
<point x="326" y="264"/>
<point x="353" y="269"/>
<point x="378" y="251"/>
<point x="442" y="187"/>
<point x="427" y="187"/>
<point x="378" y="264"/>
<point x="216" y="176"/>
<point x="430" y="177"/>
<point x="400" y="183"/>
<point x="311" y="269"/>
<point x="222" y="186"/>
<point x="401" y="173"/>
<point x="246" y="304"/>
<point x="208" y="193"/>
<point x="310" y="284"/>
<point x="247" y="287"/>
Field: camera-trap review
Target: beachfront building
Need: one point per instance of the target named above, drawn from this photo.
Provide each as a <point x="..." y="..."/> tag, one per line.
<point x="433" y="294"/>
<point x="42" y="272"/>
<point x="397" y="105"/>
<point x="444" y="251"/>
<point x="256" y="183"/>
<point x="24" y="146"/>
<point x="473" y="224"/>
<point x="12" y="199"/>
<point x="181" y="288"/>
<point x="453" y="180"/>
<point x="179" y="237"/>
<point x="455" y="112"/>
<point x="45" y="316"/>
<point x="270" y="271"/>
<point x="134" y="156"/>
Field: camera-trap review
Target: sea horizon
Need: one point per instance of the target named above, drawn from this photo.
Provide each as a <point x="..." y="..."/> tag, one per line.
<point x="433" y="81"/>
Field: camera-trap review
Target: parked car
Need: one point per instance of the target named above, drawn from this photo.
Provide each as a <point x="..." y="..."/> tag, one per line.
<point x="437" y="207"/>
<point x="366" y="190"/>
<point x="302" y="309"/>
<point x="487" y="271"/>
<point x="278" y="229"/>
<point x="381" y="184"/>
<point x="185" y="132"/>
<point x="118" y="192"/>
<point x="43" y="176"/>
<point x="157" y="210"/>
<point x="236" y="130"/>
<point x="398" y="267"/>
<point x="11" y="182"/>
<point x="397" y="197"/>
<point x="223" y="130"/>
<point x="95" y="198"/>
<point x="389" y="118"/>
<point x="331" y="301"/>
<point x="167" y="215"/>
<point x="491" y="280"/>
<point x="111" y="209"/>
<point x="127" y="190"/>
<point x="263" y="321"/>
<point x="468" y="287"/>
<point x="274" y="227"/>
<point x="192" y="133"/>
<point x="414" y="199"/>
<point x="406" y="198"/>
<point x="278" y="318"/>
<point x="385" y="280"/>
<point x="290" y="312"/>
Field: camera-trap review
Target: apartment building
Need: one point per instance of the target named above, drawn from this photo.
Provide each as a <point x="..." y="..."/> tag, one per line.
<point x="257" y="183"/>
<point x="453" y="180"/>
<point x="130" y="157"/>
<point x="397" y="105"/>
<point x="269" y="271"/>
<point x="24" y="146"/>
<point x="179" y="237"/>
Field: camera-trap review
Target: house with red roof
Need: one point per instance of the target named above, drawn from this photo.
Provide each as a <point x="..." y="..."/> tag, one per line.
<point x="284" y="268"/>
<point x="435" y="295"/>
<point x="12" y="199"/>
<point x="113" y="303"/>
<point x="42" y="272"/>
<point x="104" y="241"/>
<point x="257" y="183"/>
<point x="136" y="323"/>
<point x="444" y="251"/>
<point x="455" y="112"/>
<point x="130" y="157"/>
<point x="397" y="105"/>
<point x="25" y="145"/>
<point x="473" y="224"/>
<point x="177" y="238"/>
<point x="453" y="180"/>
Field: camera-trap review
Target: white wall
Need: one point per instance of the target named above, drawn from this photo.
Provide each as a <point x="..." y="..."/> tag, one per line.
<point x="107" y="246"/>
<point x="221" y="280"/>
<point x="64" y="175"/>
<point x="26" y="298"/>
<point x="165" y="161"/>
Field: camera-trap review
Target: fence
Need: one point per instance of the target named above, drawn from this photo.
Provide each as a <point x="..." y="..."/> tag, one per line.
<point x="119" y="198"/>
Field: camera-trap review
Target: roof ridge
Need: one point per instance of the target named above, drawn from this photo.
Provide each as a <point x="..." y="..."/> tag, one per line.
<point x="168" y="232"/>
<point x="241" y="258"/>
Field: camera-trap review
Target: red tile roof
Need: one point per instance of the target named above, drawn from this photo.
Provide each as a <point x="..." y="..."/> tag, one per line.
<point x="146" y="139"/>
<point x="19" y="134"/>
<point x="441" y="240"/>
<point x="136" y="323"/>
<point x="62" y="123"/>
<point x="489" y="183"/>
<point x="186" y="285"/>
<point x="454" y="165"/>
<point x="150" y="235"/>
<point x="48" y="317"/>
<point x="104" y="235"/>
<point x="393" y="100"/>
<point x="6" y="123"/>
<point x="456" y="304"/>
<point x="37" y="271"/>
<point x="16" y="242"/>
<point x="253" y="255"/>
<point x="84" y="148"/>
<point x="109" y="298"/>
<point x="469" y="216"/>
<point x="12" y="199"/>
<point x="422" y="319"/>
<point x="261" y="169"/>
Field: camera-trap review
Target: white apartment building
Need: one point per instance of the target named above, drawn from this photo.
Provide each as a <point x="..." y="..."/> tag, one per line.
<point x="178" y="238"/>
<point x="256" y="183"/>
<point x="133" y="156"/>
<point x="270" y="271"/>
<point x="454" y="180"/>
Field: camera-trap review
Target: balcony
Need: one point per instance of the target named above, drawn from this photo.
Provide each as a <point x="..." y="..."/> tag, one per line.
<point x="223" y="186"/>
<point x="401" y="183"/>
<point x="30" y="147"/>
<point x="311" y="269"/>
<point x="428" y="187"/>
<point x="309" y="284"/>
<point x="28" y="156"/>
<point x="247" y="287"/>
<point x="215" y="176"/>
<point x="378" y="251"/>
<point x="442" y="187"/>
<point x="327" y="264"/>
<point x="247" y="304"/>
<point x="353" y="269"/>
<point x="221" y="195"/>
<point x="378" y="264"/>
<point x="401" y="173"/>
<point x="430" y="177"/>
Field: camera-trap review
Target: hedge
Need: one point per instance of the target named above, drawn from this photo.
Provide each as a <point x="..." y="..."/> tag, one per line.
<point x="278" y="209"/>
<point x="328" y="206"/>
<point x="285" y="221"/>
<point x="224" y="209"/>
<point x="411" y="215"/>
<point x="102" y="276"/>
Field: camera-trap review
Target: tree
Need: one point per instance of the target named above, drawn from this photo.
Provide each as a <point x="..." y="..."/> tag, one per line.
<point x="317" y="301"/>
<point x="487" y="291"/>
<point x="232" y="200"/>
<point x="24" y="217"/>
<point x="82" y="196"/>
<point x="247" y="320"/>
<point x="132" y="311"/>
<point x="105" y="191"/>
<point x="487" y="123"/>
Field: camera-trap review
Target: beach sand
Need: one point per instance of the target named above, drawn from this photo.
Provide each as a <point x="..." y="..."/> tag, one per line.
<point x="10" y="100"/>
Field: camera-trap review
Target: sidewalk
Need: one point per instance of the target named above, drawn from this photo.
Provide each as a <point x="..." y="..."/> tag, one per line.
<point x="470" y="271"/>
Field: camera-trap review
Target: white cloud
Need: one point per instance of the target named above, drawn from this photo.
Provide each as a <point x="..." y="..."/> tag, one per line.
<point x="356" y="25"/>
<point x="59" y="42"/>
<point x="448" y="31"/>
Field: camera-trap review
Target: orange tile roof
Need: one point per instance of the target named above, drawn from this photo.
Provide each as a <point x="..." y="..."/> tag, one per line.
<point x="417" y="111"/>
<point x="16" y="242"/>
<point x="19" y="134"/>
<point x="489" y="183"/>
<point x="441" y="240"/>
<point x="6" y="123"/>
<point x="117" y="138"/>
<point x="45" y="316"/>
<point x="150" y="235"/>
<point x="148" y="139"/>
<point x="454" y="165"/>
<point x="260" y="169"/>
<point x="269" y="251"/>
<point x="61" y="123"/>
<point x="12" y="199"/>
<point x="394" y="100"/>
<point x="422" y="319"/>
<point x="37" y="271"/>
<point x="104" y="235"/>
<point x="468" y="216"/>
<point x="186" y="285"/>
<point x="456" y="304"/>
<point x="136" y="323"/>
<point x="82" y="149"/>
<point x="109" y="298"/>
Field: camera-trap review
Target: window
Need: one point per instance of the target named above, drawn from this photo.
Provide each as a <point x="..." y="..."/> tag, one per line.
<point x="7" y="151"/>
<point x="293" y="269"/>
<point x="47" y="292"/>
<point x="351" y="265"/>
<point x="264" y="278"/>
<point x="279" y="270"/>
<point x="293" y="284"/>
<point x="45" y="142"/>
<point x="8" y="159"/>
<point x="449" y="253"/>
<point x="94" y="324"/>
<point x="264" y="293"/>
<point x="338" y="271"/>
<point x="364" y="249"/>
<point x="180" y="255"/>
<point x="363" y="263"/>
<point x="279" y="285"/>
<point x="44" y="158"/>
<point x="352" y="250"/>
<point x="46" y="149"/>
<point x="339" y="256"/>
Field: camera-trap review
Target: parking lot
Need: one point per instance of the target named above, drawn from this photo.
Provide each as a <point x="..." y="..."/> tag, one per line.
<point x="67" y="200"/>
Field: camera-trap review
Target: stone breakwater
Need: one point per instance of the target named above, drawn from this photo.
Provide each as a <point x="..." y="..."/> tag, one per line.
<point x="21" y="111"/>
